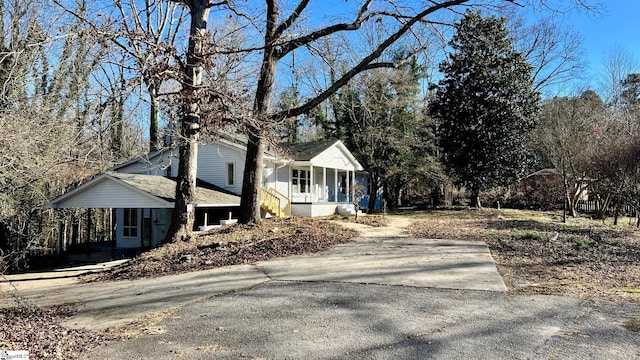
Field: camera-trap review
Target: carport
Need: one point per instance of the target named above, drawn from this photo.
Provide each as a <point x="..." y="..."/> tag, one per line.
<point x="142" y="205"/>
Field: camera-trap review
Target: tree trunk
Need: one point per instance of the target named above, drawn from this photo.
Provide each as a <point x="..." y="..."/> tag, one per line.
<point x="565" y="202"/>
<point x="250" y="200"/>
<point x="154" y="121"/>
<point x="475" y="199"/>
<point x="570" y="198"/>
<point x="374" y="178"/>
<point x="117" y="123"/>
<point x="616" y="210"/>
<point x="602" y="205"/>
<point x="252" y="177"/>
<point x="184" y="210"/>
<point x="573" y="205"/>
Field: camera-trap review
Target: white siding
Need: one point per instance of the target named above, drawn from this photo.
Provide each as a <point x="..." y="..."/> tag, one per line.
<point x="333" y="158"/>
<point x="110" y="194"/>
<point x="212" y="165"/>
<point x="269" y="176"/>
<point x="282" y="182"/>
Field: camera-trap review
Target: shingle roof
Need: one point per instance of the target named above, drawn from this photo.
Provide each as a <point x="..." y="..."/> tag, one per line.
<point x="165" y="189"/>
<point x="309" y="150"/>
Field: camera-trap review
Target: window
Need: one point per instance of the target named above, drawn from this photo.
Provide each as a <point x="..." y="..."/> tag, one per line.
<point x="301" y="181"/>
<point x="231" y="175"/>
<point x="130" y="224"/>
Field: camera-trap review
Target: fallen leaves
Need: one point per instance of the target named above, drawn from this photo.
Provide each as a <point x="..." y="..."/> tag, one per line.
<point x="38" y="331"/>
<point x="538" y="254"/>
<point x="238" y="244"/>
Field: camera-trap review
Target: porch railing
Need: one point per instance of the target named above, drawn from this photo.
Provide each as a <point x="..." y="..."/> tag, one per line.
<point x="275" y="202"/>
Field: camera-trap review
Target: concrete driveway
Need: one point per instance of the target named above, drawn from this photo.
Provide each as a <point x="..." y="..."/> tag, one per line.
<point x="382" y="296"/>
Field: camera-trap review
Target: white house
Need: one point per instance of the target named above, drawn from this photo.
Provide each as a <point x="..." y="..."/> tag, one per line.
<point x="309" y="179"/>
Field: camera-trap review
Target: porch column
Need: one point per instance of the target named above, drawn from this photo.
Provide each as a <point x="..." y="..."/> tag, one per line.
<point x="311" y="183"/>
<point x="353" y="181"/>
<point x="324" y="184"/>
<point x="337" y="189"/>
<point x="289" y="180"/>
<point x="347" y="191"/>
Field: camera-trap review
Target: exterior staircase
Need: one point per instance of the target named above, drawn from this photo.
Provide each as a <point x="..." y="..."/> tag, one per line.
<point x="274" y="203"/>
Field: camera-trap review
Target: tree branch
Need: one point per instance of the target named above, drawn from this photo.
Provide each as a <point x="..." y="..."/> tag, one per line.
<point x="291" y="19"/>
<point x="366" y="63"/>
<point x="306" y="107"/>
<point x="293" y="44"/>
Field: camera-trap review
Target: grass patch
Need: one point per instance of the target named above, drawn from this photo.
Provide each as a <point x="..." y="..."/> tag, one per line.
<point x="583" y="242"/>
<point x="531" y="236"/>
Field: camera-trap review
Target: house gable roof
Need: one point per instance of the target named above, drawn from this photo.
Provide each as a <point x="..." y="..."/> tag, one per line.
<point x="323" y="153"/>
<point x="308" y="150"/>
<point x="154" y="159"/>
<point x="121" y="190"/>
<point x="544" y="172"/>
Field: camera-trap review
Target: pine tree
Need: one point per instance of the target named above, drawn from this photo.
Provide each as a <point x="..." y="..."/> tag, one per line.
<point x="380" y="118"/>
<point x="485" y="105"/>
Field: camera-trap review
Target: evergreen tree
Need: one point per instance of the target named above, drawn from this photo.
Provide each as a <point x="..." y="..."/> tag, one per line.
<point x="379" y="117"/>
<point x="485" y="105"/>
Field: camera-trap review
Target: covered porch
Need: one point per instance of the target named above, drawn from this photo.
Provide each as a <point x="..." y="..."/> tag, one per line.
<point x="317" y="190"/>
<point x="320" y="177"/>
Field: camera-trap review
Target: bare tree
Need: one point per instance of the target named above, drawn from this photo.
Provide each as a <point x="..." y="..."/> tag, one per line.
<point x="147" y="34"/>
<point x="568" y="137"/>
<point x="144" y="36"/>
<point x="555" y="52"/>
<point x="282" y="31"/>
<point x="618" y="63"/>
<point x="281" y="39"/>
<point x="616" y="167"/>
<point x="194" y="98"/>
<point x="46" y="120"/>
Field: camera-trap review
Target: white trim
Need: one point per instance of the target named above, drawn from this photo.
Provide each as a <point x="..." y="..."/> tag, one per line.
<point x="307" y="180"/>
<point x="216" y="205"/>
<point x="130" y="227"/>
<point x="233" y="173"/>
<point x="340" y="145"/>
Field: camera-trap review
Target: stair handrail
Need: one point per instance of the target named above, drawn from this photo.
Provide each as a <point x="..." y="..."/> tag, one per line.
<point x="271" y="201"/>
<point x="283" y="197"/>
<point x="268" y="194"/>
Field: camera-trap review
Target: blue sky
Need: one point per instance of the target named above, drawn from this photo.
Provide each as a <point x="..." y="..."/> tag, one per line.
<point x="615" y="25"/>
<point x="618" y="25"/>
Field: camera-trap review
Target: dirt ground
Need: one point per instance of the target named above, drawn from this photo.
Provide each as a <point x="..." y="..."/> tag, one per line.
<point x="536" y="253"/>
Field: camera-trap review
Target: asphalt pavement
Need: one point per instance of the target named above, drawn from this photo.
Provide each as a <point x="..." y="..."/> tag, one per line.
<point x="326" y="320"/>
<point x="383" y="296"/>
